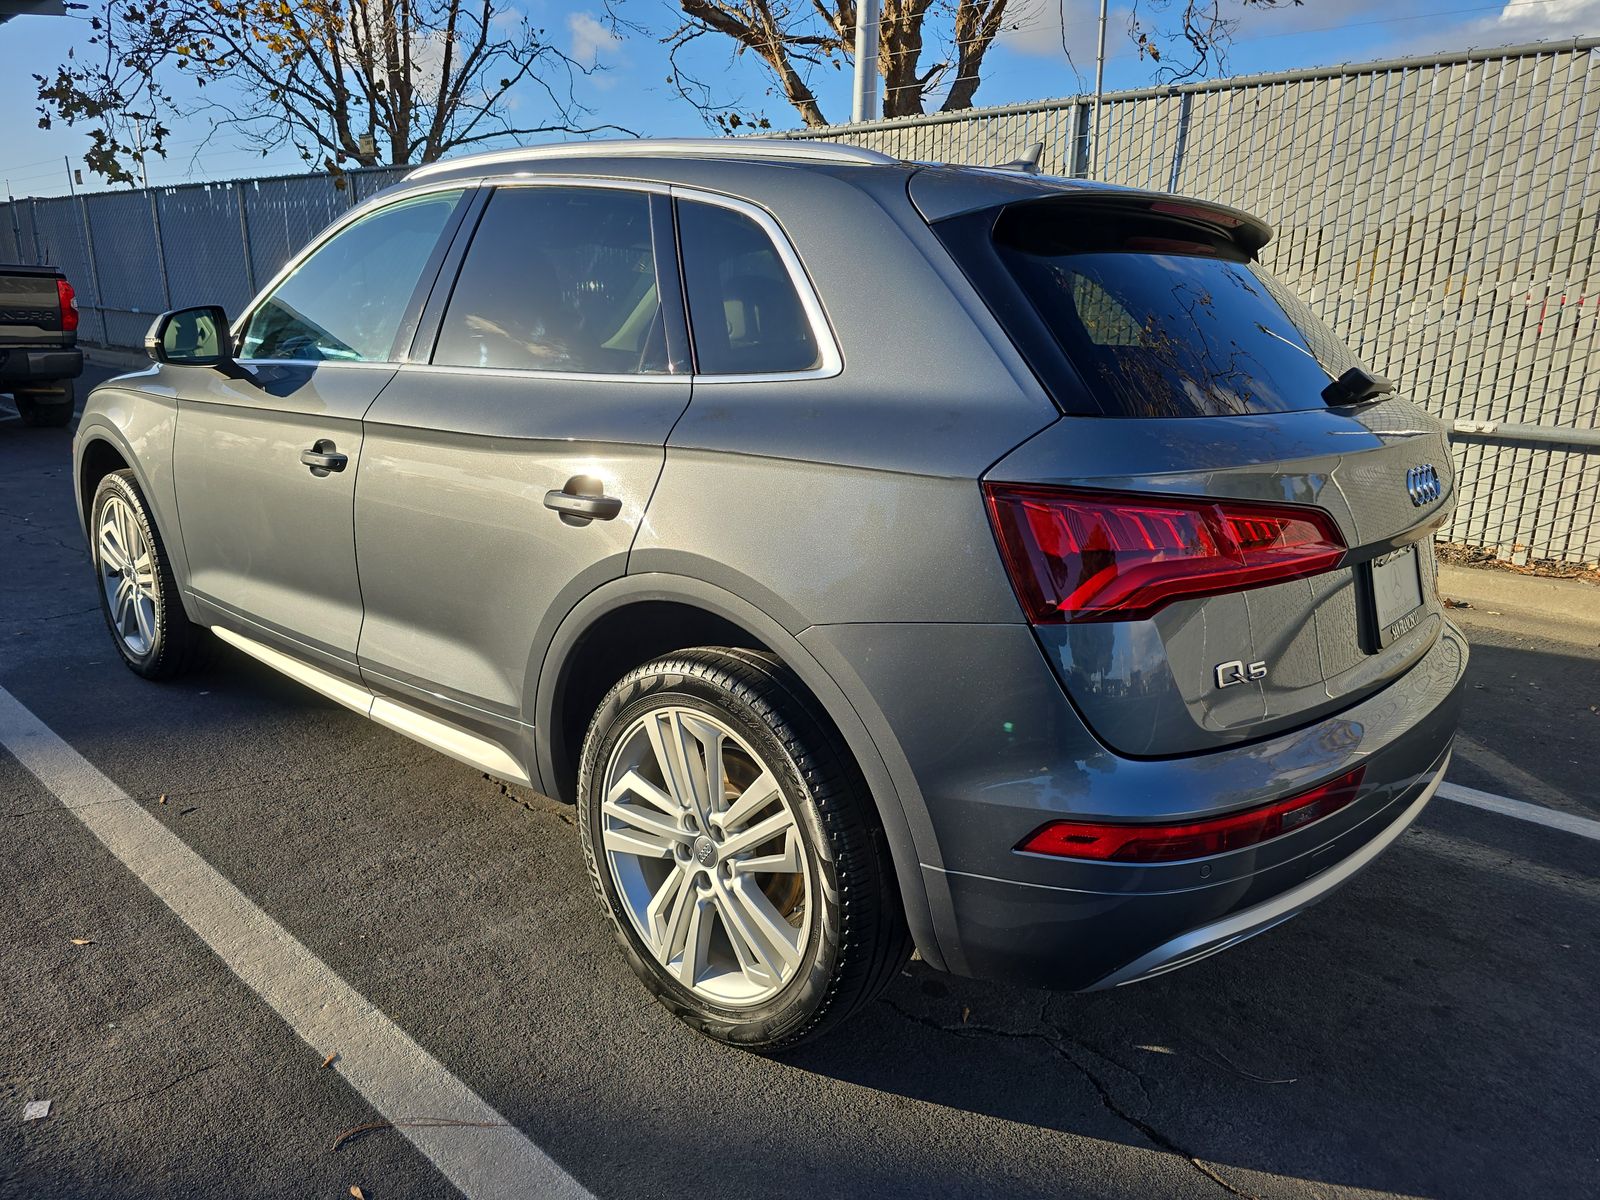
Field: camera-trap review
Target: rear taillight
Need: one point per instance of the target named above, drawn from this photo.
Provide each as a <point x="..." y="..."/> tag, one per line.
<point x="1105" y="842"/>
<point x="69" y="306"/>
<point x="1105" y="556"/>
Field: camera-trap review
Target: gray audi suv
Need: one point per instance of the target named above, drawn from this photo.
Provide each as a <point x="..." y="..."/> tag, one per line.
<point x="879" y="554"/>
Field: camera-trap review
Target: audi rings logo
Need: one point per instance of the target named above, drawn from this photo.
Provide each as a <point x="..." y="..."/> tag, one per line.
<point x="1422" y="485"/>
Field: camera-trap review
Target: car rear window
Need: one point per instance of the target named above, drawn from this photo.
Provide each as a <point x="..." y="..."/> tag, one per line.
<point x="1161" y="317"/>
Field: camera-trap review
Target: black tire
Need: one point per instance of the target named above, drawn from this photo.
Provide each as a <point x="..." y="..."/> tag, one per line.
<point x="177" y="645"/>
<point x="858" y="938"/>
<point x="47" y="408"/>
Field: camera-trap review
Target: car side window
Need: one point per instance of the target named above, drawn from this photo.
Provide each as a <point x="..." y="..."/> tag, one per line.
<point x="345" y="302"/>
<point x="744" y="312"/>
<point x="558" y="279"/>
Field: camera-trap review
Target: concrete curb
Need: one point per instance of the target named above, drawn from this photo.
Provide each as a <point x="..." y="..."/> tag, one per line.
<point x="1573" y="605"/>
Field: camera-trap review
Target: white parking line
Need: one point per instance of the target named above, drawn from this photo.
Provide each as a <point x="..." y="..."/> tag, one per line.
<point x="1536" y="813"/>
<point x="487" y="1159"/>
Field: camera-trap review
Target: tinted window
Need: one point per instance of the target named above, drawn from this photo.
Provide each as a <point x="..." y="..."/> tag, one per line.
<point x="346" y="301"/>
<point x="558" y="279"/>
<point x="743" y="310"/>
<point x="1163" y="320"/>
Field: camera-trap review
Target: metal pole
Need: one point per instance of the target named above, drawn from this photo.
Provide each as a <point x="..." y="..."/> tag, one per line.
<point x="1099" y="90"/>
<point x="864" y="105"/>
<point x="16" y="226"/>
<point x="71" y="191"/>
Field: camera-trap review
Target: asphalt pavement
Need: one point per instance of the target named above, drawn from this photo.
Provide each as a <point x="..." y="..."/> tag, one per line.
<point x="1427" y="1031"/>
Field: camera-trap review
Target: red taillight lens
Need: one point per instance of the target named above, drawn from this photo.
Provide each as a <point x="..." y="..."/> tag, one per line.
<point x="1093" y="556"/>
<point x="69" y="305"/>
<point x="1103" y="842"/>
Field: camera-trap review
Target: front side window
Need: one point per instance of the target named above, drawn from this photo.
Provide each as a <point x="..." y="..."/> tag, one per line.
<point x="744" y="312"/>
<point x="345" y="302"/>
<point x="558" y="279"/>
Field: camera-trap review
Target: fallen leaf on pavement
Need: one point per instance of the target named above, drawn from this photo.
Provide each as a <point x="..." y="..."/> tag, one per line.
<point x="357" y="1192"/>
<point x="36" y="1110"/>
<point x="83" y="941"/>
<point x="328" y="1062"/>
<point x="965" y="1013"/>
<point x="163" y="799"/>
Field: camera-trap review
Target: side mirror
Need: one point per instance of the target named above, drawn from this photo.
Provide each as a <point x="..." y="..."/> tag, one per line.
<point x="192" y="337"/>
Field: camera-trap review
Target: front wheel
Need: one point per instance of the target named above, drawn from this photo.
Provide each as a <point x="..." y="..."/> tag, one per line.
<point x="732" y="842"/>
<point x="138" y="594"/>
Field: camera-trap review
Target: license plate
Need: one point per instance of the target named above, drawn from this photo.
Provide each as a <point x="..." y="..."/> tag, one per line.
<point x="1396" y="593"/>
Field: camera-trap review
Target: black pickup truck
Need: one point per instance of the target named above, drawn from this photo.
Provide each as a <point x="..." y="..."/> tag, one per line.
<point x="39" y="356"/>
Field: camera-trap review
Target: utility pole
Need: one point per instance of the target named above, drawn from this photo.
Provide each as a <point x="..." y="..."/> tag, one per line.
<point x="71" y="191"/>
<point x="1099" y="89"/>
<point x="864" y="106"/>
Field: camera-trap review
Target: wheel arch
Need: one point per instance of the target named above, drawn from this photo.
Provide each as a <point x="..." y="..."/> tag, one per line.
<point x="636" y="618"/>
<point x="132" y="430"/>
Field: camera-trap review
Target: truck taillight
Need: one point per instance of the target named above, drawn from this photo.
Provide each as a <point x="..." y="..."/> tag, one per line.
<point x="69" y="306"/>
<point x="1102" y="841"/>
<point x="1108" y="556"/>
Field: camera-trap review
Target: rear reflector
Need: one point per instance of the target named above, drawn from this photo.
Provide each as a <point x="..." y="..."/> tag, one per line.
<point x="67" y="299"/>
<point x="1108" y="556"/>
<point x="1103" y="842"/>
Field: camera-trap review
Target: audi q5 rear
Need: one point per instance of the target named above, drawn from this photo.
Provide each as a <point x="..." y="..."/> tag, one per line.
<point x="878" y="553"/>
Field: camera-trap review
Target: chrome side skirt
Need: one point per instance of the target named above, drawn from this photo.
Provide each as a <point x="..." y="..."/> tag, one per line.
<point x="430" y="731"/>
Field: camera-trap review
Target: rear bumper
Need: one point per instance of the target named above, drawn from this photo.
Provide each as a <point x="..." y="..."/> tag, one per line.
<point x="1246" y="923"/>
<point x="992" y="749"/>
<point x="24" y="365"/>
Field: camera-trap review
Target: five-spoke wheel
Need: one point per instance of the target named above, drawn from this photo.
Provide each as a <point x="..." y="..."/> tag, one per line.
<point x="706" y="855"/>
<point x="138" y="594"/>
<point x="732" y="841"/>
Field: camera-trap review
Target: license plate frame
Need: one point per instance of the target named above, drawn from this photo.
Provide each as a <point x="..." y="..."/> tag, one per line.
<point x="1394" y="591"/>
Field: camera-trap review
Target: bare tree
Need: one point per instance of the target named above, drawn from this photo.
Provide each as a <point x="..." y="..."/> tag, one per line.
<point x="931" y="52"/>
<point x="422" y="77"/>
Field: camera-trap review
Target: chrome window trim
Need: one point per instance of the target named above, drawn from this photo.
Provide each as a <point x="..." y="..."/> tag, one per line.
<point x="366" y="208"/>
<point x="531" y="373"/>
<point x="816" y="316"/>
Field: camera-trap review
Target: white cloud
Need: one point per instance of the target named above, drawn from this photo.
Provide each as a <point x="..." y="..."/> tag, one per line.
<point x="590" y="39"/>
<point x="1524" y="21"/>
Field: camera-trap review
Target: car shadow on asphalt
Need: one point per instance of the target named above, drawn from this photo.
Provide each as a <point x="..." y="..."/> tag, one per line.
<point x="1428" y="1030"/>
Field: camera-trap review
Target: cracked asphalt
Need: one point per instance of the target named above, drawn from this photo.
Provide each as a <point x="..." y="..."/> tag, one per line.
<point x="1428" y="1031"/>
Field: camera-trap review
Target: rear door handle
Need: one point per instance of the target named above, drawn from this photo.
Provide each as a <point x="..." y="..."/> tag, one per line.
<point x="322" y="458"/>
<point x="581" y="501"/>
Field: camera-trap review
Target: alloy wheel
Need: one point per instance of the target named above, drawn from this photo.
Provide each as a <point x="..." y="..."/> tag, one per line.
<point x="128" y="575"/>
<point x="706" y="856"/>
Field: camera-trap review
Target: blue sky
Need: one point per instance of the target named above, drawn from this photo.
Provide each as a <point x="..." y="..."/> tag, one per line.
<point x="1028" y="63"/>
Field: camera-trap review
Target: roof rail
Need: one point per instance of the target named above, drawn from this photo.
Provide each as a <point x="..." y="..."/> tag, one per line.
<point x="749" y="148"/>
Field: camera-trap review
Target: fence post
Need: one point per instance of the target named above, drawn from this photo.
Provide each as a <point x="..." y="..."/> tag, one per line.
<point x="244" y="241"/>
<point x="1185" y="103"/>
<point x="94" y="268"/>
<point x="33" y="219"/>
<point x="161" y="249"/>
<point x="1080" y="141"/>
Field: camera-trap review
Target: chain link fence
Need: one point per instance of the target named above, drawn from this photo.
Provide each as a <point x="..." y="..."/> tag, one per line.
<point x="1442" y="213"/>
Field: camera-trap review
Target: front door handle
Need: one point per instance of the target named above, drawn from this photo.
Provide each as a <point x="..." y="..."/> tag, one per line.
<point x="582" y="501"/>
<point x="322" y="458"/>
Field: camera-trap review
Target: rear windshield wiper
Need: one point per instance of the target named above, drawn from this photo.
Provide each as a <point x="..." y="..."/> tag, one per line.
<point x="1356" y="386"/>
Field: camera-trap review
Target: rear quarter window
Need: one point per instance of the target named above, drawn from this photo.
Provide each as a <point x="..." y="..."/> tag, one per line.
<point x="745" y="315"/>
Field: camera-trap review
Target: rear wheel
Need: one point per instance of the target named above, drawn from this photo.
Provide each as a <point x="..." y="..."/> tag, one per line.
<point x="733" y="844"/>
<point x="138" y="594"/>
<point x="47" y="408"/>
